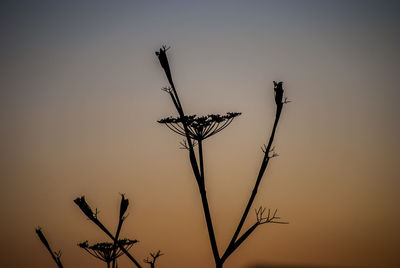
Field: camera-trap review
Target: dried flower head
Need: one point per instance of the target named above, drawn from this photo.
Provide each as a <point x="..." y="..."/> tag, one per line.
<point x="107" y="251"/>
<point x="56" y="255"/>
<point x="123" y="207"/>
<point x="201" y="127"/>
<point x="278" y="89"/>
<point x="81" y="202"/>
<point x="162" y="57"/>
<point x="42" y="237"/>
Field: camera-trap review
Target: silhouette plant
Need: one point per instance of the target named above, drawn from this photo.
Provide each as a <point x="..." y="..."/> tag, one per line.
<point x="153" y="257"/>
<point x="55" y="255"/>
<point x="107" y="252"/>
<point x="195" y="130"/>
<point x="86" y="209"/>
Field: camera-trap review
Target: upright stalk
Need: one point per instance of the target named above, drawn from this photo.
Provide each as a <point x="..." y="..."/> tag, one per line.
<point x="200" y="144"/>
<point x="206" y="209"/>
<point x="121" y="220"/>
<point x="199" y="128"/>
<point x="231" y="247"/>
<point x="199" y="174"/>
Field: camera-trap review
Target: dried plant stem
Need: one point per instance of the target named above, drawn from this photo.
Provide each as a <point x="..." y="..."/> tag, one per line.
<point x="234" y="243"/>
<point x="120" y="222"/>
<point x="199" y="130"/>
<point x="54" y="255"/>
<point x="199" y="174"/>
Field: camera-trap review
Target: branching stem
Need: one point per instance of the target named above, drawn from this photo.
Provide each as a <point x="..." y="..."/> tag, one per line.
<point x="201" y="131"/>
<point x="231" y="247"/>
<point x="199" y="174"/>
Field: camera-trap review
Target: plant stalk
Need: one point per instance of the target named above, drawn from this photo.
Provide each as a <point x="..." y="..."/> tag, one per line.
<point x="231" y="247"/>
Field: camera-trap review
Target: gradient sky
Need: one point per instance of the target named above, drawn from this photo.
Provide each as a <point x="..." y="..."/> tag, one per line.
<point x="80" y="96"/>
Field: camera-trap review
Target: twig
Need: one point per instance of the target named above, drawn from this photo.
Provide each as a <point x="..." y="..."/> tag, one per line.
<point x="56" y="255"/>
<point x="153" y="259"/>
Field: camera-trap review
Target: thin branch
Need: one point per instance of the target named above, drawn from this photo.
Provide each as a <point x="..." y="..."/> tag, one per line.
<point x="56" y="256"/>
<point x="271" y="153"/>
<point x="151" y="261"/>
<point x="123" y="207"/>
<point x="261" y="219"/>
<point x="264" y="164"/>
<point x="185" y="146"/>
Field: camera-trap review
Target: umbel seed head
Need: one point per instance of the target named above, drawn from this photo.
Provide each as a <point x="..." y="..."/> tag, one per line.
<point x="199" y="128"/>
<point x="107" y="251"/>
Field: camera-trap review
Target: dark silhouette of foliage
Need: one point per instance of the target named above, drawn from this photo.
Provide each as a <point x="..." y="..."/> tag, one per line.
<point x="197" y="129"/>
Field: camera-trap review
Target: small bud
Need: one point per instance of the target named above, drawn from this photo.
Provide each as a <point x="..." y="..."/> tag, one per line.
<point x="42" y="238"/>
<point x="81" y="202"/>
<point x="124" y="206"/>
<point x="278" y="92"/>
<point x="162" y="57"/>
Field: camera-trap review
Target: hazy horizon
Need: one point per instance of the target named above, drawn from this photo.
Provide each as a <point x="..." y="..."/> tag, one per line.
<point x="80" y="97"/>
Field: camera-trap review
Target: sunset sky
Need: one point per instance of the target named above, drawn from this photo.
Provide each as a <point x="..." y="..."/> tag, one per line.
<point x="79" y="100"/>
